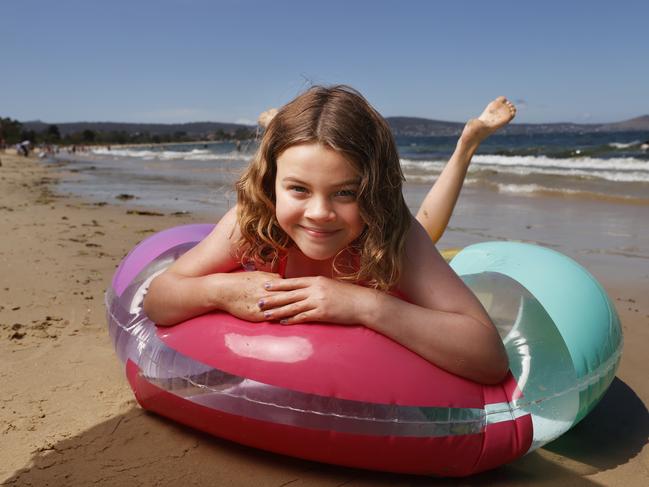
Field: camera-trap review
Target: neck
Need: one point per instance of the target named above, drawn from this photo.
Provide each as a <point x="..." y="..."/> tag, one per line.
<point x="299" y="265"/>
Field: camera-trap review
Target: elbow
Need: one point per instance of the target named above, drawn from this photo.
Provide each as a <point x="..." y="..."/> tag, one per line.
<point x="495" y="374"/>
<point x="497" y="369"/>
<point x="495" y="363"/>
<point x="484" y="372"/>
<point x="156" y="316"/>
<point x="151" y="304"/>
<point x="149" y="308"/>
<point x="489" y="364"/>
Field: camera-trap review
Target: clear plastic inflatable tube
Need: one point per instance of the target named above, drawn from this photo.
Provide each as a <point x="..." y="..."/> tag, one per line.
<point x="349" y="396"/>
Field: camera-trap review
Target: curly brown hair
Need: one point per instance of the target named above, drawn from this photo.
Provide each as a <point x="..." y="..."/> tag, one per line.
<point x="339" y="118"/>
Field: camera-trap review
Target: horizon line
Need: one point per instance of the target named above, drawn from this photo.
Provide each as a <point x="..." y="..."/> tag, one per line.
<point x="387" y="118"/>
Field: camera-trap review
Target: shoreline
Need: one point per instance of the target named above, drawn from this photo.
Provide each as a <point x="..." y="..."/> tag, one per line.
<point x="71" y="419"/>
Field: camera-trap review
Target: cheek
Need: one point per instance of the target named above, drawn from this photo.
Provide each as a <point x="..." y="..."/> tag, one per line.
<point x="286" y="210"/>
<point x="354" y="219"/>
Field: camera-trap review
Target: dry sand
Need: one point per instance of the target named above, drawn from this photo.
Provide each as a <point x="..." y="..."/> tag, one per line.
<point x="67" y="415"/>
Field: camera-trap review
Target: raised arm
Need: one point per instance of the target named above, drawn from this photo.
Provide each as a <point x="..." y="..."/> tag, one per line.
<point x="437" y="207"/>
<point x="200" y="281"/>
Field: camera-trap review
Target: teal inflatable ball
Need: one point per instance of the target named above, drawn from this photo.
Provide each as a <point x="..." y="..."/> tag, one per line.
<point x="560" y="329"/>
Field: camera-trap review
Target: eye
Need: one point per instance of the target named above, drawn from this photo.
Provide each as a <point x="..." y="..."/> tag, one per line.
<point x="297" y="189"/>
<point x="346" y="193"/>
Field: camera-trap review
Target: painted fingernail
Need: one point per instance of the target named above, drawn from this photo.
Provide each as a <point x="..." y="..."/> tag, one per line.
<point x="283" y="322"/>
<point x="267" y="285"/>
<point x="261" y="303"/>
<point x="267" y="314"/>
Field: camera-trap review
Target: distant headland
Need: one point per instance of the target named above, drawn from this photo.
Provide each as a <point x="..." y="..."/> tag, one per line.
<point x="123" y="133"/>
<point x="411" y="126"/>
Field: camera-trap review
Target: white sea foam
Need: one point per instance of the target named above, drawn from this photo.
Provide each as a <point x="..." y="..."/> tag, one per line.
<point x="621" y="169"/>
<point x="616" y="176"/>
<point x="530" y="188"/>
<point x="167" y="155"/>
<point x="585" y="163"/>
<point x="622" y="145"/>
<point x="422" y="164"/>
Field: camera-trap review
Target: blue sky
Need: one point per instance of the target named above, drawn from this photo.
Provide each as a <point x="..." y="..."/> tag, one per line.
<point x="177" y="61"/>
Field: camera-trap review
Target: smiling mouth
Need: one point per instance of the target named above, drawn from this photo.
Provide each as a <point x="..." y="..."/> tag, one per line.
<point x="318" y="232"/>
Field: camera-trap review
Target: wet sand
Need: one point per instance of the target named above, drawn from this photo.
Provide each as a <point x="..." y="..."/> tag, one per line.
<point x="68" y="417"/>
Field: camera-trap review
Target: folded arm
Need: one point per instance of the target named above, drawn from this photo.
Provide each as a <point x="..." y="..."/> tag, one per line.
<point x="201" y="281"/>
<point x="442" y="321"/>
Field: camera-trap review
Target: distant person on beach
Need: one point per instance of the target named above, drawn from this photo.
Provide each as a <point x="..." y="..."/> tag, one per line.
<point x="324" y="232"/>
<point x="23" y="148"/>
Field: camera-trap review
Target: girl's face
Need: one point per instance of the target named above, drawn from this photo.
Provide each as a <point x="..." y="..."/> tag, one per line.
<point x="316" y="205"/>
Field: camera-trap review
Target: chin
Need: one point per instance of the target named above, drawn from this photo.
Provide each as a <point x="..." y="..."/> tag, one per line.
<point x="319" y="256"/>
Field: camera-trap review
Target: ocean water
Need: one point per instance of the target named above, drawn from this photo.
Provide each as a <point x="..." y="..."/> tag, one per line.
<point x="179" y="178"/>
<point x="200" y="177"/>
<point x="594" y="165"/>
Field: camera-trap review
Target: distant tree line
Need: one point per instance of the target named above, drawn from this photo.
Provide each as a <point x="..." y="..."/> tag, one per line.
<point x="13" y="132"/>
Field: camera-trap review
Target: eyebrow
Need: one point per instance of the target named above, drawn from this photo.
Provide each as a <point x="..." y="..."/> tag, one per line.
<point x="348" y="182"/>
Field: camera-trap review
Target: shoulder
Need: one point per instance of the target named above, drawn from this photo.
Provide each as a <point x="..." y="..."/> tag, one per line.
<point x="215" y="253"/>
<point x="226" y="233"/>
<point x="426" y="278"/>
<point x="420" y="253"/>
<point x="228" y="224"/>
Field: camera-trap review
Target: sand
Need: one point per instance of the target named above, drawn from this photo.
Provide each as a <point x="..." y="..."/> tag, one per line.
<point x="68" y="417"/>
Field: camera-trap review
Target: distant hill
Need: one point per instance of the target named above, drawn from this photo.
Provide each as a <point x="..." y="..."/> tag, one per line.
<point x="192" y="129"/>
<point x="402" y="126"/>
<point x="412" y="126"/>
<point x="638" y="123"/>
<point x="422" y="126"/>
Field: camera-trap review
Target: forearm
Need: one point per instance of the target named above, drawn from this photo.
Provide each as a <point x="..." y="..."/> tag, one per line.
<point x="437" y="207"/>
<point x="172" y="298"/>
<point x="458" y="343"/>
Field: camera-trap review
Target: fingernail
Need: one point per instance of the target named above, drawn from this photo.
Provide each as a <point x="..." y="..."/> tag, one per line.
<point x="267" y="314"/>
<point x="267" y="285"/>
<point x="283" y="322"/>
<point x="260" y="303"/>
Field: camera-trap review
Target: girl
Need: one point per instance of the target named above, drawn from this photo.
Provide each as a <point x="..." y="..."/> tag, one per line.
<point x="321" y="217"/>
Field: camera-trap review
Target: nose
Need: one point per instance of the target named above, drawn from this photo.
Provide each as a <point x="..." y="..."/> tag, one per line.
<point x="319" y="208"/>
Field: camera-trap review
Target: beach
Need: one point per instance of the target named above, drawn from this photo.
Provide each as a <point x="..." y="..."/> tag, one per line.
<point x="68" y="416"/>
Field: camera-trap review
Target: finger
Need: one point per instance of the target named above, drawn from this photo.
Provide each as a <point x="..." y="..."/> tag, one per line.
<point x="281" y="298"/>
<point x="304" y="317"/>
<point x="287" y="311"/>
<point x="287" y="284"/>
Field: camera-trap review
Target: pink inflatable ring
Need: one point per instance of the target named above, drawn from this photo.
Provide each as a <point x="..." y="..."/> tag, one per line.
<point x="341" y="395"/>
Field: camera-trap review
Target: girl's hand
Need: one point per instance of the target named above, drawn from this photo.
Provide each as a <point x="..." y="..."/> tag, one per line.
<point x="303" y="299"/>
<point x="246" y="293"/>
